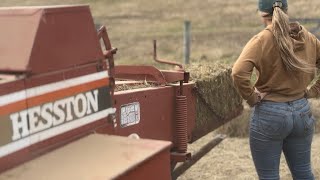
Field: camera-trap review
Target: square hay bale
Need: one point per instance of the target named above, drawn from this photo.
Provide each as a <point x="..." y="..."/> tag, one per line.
<point x="217" y="100"/>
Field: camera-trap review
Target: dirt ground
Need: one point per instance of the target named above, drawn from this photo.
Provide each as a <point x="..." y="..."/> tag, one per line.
<point x="231" y="159"/>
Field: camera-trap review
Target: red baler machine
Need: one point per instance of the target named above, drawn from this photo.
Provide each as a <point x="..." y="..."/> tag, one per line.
<point x="60" y="116"/>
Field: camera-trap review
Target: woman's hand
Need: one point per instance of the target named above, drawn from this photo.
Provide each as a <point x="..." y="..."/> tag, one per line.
<point x="260" y="94"/>
<point x="256" y="97"/>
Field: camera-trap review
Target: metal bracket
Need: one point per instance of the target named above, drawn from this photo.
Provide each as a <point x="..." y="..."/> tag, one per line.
<point x="180" y="157"/>
<point x="162" y="60"/>
<point x="108" y="54"/>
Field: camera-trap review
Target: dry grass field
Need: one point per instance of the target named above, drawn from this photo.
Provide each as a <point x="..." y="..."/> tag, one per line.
<point x="231" y="160"/>
<point x="220" y="29"/>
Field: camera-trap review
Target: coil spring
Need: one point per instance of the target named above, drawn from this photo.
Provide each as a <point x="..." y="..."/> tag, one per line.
<point x="181" y="124"/>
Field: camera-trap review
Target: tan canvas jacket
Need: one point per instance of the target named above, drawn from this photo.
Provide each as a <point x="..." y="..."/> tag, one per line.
<point x="281" y="85"/>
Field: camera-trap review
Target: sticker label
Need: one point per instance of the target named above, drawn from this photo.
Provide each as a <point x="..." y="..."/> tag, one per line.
<point x="130" y="114"/>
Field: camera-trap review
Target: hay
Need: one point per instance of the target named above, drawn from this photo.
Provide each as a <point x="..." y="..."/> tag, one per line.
<point x="217" y="99"/>
<point x="238" y="127"/>
<point x="215" y="85"/>
<point x="137" y="85"/>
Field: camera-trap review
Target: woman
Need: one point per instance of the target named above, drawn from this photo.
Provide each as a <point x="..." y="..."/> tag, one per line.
<point x="285" y="57"/>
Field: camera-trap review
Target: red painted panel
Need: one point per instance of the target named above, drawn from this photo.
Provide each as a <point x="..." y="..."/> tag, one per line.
<point x="48" y="145"/>
<point x="13" y="86"/>
<point x="157" y="108"/>
<point x="156" y="168"/>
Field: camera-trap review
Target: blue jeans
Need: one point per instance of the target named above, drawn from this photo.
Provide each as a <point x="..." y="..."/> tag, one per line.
<point x="277" y="127"/>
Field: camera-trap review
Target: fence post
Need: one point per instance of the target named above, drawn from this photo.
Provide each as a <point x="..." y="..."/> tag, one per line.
<point x="186" y="42"/>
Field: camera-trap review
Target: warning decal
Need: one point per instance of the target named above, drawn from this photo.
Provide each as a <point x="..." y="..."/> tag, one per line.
<point x="130" y="114"/>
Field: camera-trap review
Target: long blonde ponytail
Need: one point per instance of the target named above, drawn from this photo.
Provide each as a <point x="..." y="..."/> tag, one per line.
<point x="281" y="32"/>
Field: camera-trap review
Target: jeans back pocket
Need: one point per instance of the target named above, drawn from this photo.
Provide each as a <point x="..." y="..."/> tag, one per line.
<point x="271" y="123"/>
<point x="308" y="120"/>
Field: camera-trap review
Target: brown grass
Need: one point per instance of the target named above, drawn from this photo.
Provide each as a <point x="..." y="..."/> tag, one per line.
<point x="232" y="160"/>
<point x="220" y="29"/>
<point x="315" y="104"/>
<point x="238" y="127"/>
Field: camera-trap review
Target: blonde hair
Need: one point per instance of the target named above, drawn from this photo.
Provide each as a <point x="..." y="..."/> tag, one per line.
<point x="281" y="32"/>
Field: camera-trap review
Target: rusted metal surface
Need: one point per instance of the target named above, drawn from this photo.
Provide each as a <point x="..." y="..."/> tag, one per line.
<point x="112" y="157"/>
<point x="197" y="156"/>
<point x="163" y="61"/>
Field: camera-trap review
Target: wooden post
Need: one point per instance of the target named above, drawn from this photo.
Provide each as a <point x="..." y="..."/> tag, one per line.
<point x="186" y="42"/>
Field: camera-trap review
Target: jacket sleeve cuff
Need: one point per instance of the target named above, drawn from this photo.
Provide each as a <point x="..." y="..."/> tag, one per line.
<point x="253" y="99"/>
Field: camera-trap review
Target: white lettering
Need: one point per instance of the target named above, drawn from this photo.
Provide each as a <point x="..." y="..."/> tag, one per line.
<point x="17" y="125"/>
<point x="68" y="103"/>
<point x="46" y="115"/>
<point x="39" y="118"/>
<point x="80" y="102"/>
<point x="34" y="123"/>
<point x="57" y="110"/>
<point x="92" y="101"/>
